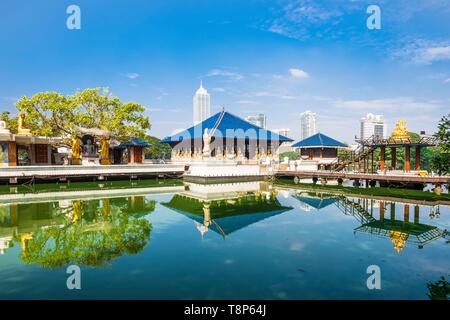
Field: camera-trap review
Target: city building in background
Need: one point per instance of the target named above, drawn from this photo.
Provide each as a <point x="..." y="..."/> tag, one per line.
<point x="202" y="105"/>
<point x="307" y="124"/>
<point x="284" y="131"/>
<point x="258" y="120"/>
<point x="373" y="125"/>
<point x="287" y="146"/>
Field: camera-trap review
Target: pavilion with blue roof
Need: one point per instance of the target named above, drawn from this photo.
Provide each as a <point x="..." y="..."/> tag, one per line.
<point x="319" y="147"/>
<point x="230" y="135"/>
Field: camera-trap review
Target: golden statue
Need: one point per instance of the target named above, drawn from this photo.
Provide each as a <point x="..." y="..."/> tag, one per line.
<point x="24" y="238"/>
<point x="398" y="239"/>
<point x="76" y="213"/>
<point x="106" y="209"/>
<point x="76" y="151"/>
<point x="240" y="155"/>
<point x="104" y="143"/>
<point x="263" y="154"/>
<point x="203" y="228"/>
<point x="400" y="131"/>
<point x="21" y="126"/>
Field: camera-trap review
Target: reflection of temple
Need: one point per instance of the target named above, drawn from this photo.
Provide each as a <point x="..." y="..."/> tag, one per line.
<point x="19" y="222"/>
<point x="223" y="209"/>
<point x="314" y="201"/>
<point x="400" y="232"/>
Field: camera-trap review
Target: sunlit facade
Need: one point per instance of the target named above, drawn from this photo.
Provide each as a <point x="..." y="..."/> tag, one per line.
<point x="307" y="124"/>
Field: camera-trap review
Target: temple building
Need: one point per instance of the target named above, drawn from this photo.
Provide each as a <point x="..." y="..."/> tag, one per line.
<point x="224" y="136"/>
<point x="131" y="151"/>
<point x="24" y="148"/>
<point x="400" y="139"/>
<point x="320" y="149"/>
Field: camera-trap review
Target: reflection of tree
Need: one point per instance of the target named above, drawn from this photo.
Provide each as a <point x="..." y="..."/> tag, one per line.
<point x="93" y="234"/>
<point x="439" y="290"/>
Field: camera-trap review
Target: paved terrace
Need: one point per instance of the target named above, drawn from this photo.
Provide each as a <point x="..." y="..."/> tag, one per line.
<point x="389" y="177"/>
<point x="61" y="172"/>
<point x="20" y="198"/>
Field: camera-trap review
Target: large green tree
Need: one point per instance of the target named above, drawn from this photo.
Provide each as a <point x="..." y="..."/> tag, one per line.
<point x="292" y="155"/>
<point x="158" y="150"/>
<point x="11" y="122"/>
<point x="54" y="114"/>
<point x="441" y="160"/>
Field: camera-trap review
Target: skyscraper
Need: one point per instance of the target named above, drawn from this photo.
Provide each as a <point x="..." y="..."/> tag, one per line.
<point x="307" y="124"/>
<point x="202" y="105"/>
<point x="283" y="131"/>
<point x="373" y="125"/>
<point x="259" y="120"/>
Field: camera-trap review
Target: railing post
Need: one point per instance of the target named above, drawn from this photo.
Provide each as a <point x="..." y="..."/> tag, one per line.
<point x="394" y="158"/>
<point x="407" y="158"/>
<point x="382" y="158"/>
<point x="417" y="160"/>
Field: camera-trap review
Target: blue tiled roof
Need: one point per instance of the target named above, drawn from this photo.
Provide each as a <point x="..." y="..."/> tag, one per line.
<point x="316" y="203"/>
<point x="319" y="140"/>
<point x="230" y="127"/>
<point x="135" y="143"/>
<point x="228" y="225"/>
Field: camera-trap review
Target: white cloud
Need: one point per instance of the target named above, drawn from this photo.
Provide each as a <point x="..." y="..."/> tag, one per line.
<point x="423" y="51"/>
<point x="389" y="104"/>
<point x="447" y="80"/>
<point x="298" y="73"/>
<point x="154" y="109"/>
<point x="300" y="19"/>
<point x="271" y="94"/>
<point x="218" y="89"/>
<point x="162" y="93"/>
<point x="231" y="75"/>
<point x="245" y="102"/>
<point x="297" y="246"/>
<point x="429" y="55"/>
<point x="133" y="75"/>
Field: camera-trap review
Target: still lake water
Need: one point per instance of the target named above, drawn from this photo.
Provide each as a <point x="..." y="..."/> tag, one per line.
<point x="253" y="240"/>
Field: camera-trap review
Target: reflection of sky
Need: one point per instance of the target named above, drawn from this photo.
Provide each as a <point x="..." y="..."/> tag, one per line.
<point x="296" y="254"/>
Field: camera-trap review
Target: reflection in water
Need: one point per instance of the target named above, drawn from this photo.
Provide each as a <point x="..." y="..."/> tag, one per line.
<point x="226" y="208"/>
<point x="398" y="231"/>
<point x="96" y="229"/>
<point x="313" y="200"/>
<point x="439" y="290"/>
<point x="85" y="232"/>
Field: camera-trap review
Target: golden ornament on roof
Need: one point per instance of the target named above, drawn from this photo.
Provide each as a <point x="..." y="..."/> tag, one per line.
<point x="398" y="239"/>
<point x="400" y="131"/>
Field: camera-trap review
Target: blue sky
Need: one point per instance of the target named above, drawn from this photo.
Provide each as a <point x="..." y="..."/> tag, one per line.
<point x="276" y="57"/>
